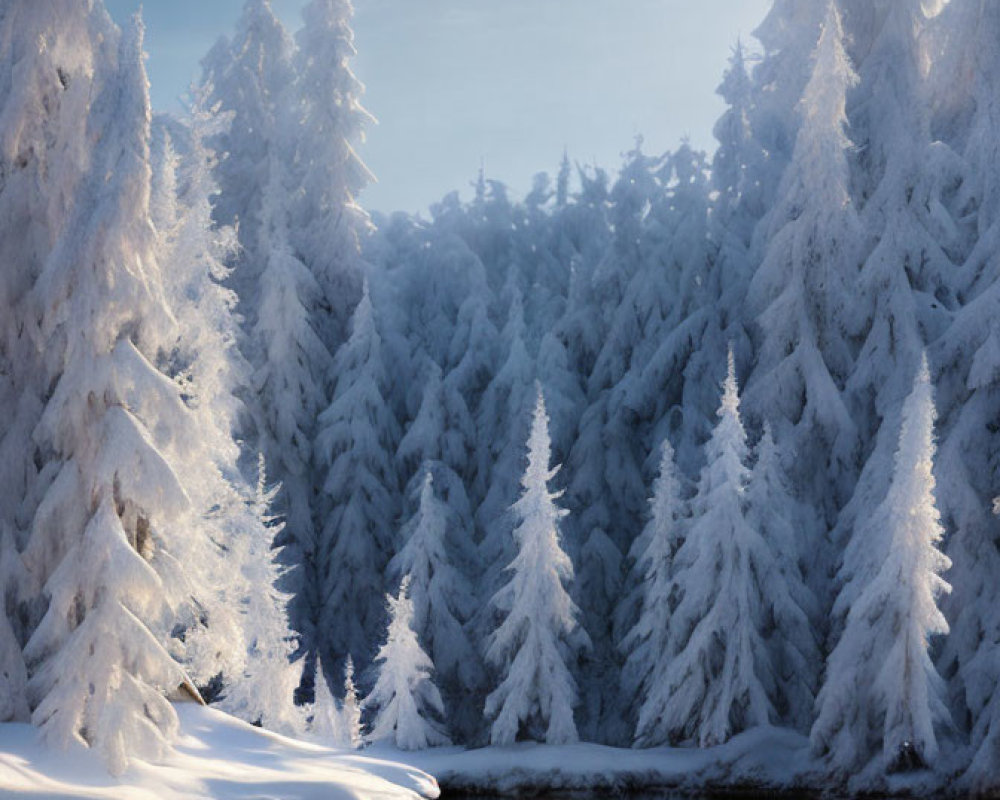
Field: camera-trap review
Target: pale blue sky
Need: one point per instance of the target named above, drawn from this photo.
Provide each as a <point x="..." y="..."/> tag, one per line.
<point x="506" y="83"/>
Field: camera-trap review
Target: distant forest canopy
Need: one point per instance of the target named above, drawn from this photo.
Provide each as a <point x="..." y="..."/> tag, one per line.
<point x="256" y="439"/>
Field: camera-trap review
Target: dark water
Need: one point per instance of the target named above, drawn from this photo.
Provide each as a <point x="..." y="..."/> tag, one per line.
<point x="600" y="794"/>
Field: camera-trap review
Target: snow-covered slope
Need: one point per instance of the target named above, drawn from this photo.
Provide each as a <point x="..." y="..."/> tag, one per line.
<point x="216" y="756"/>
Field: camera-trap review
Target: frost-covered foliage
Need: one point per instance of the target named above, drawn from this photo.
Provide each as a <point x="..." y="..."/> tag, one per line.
<point x="804" y="290"/>
<point x="433" y="554"/>
<point x="538" y="633"/>
<point x="248" y="84"/>
<point x="330" y="121"/>
<point x="327" y="723"/>
<point x="264" y="691"/>
<point x="648" y="642"/>
<point x="882" y="698"/>
<point x="405" y="702"/>
<point x="358" y="434"/>
<point x="738" y="638"/>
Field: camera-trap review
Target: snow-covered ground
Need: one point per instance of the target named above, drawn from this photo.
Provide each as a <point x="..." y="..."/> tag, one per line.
<point x="216" y="756"/>
<point x="767" y="757"/>
<point x="769" y="760"/>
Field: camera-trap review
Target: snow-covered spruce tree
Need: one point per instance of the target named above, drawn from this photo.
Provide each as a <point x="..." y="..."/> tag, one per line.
<point x="968" y="356"/>
<point x="538" y="636"/>
<point x="606" y="487"/>
<point x="358" y="434"/>
<point x="883" y="703"/>
<point x="736" y="612"/>
<point x="35" y="130"/>
<point x="790" y="530"/>
<point x="249" y="80"/>
<point x="327" y="724"/>
<point x="583" y="232"/>
<point x="330" y="124"/>
<point x="351" y="707"/>
<point x="647" y="644"/>
<point x="49" y="52"/>
<point x="435" y="548"/>
<point x="404" y="700"/>
<point x="788" y="34"/>
<point x="804" y="293"/>
<point x="442" y="432"/>
<point x="502" y="423"/>
<point x="697" y="346"/>
<point x="290" y="372"/>
<point x="205" y="362"/>
<point x="904" y="295"/>
<point x="264" y="691"/>
<point x="115" y="513"/>
<point x="680" y="262"/>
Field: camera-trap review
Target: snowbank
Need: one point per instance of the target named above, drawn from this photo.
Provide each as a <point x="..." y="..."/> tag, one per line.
<point x="216" y="756"/>
<point x="764" y="761"/>
<point x="771" y="757"/>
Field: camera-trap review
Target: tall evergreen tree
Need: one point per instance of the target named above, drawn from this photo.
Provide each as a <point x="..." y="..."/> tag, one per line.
<point x="538" y="634"/>
<point x="115" y="516"/>
<point x="329" y="223"/>
<point x="251" y="80"/>
<point x="803" y="295"/>
<point x="405" y="700"/>
<point x="431" y="555"/>
<point x="969" y="359"/>
<point x="647" y="643"/>
<point x="736" y="613"/>
<point x="883" y="702"/>
<point x="358" y="434"/>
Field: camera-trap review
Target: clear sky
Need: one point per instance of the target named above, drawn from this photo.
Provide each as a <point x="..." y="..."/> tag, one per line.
<point x="503" y="83"/>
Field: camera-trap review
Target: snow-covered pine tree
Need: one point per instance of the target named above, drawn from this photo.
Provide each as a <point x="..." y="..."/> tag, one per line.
<point x="435" y="549"/>
<point x="247" y="79"/>
<point x="606" y="488"/>
<point x="681" y="257"/>
<point x="49" y="53"/>
<point x="698" y="344"/>
<point x="442" y="432"/>
<point x="204" y="360"/>
<point x="788" y="34"/>
<point x="327" y="724"/>
<point x="114" y="512"/>
<point x="647" y="644"/>
<point x="790" y="529"/>
<point x="250" y="80"/>
<point x="404" y="700"/>
<point x="724" y="676"/>
<point x="290" y="373"/>
<point x="968" y="356"/>
<point x="330" y="121"/>
<point x="804" y="293"/>
<point x="538" y="635"/>
<point x="351" y="707"/>
<point x="358" y="434"/>
<point x="904" y="295"/>
<point x="263" y="693"/>
<point x="883" y="702"/>
<point x="906" y="273"/>
<point x="502" y="423"/>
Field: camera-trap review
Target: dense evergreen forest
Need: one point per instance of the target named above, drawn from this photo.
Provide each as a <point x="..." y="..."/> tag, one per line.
<point x="644" y="458"/>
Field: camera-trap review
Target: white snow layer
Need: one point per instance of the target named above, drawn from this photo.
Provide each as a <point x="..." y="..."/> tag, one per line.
<point x="216" y="756"/>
